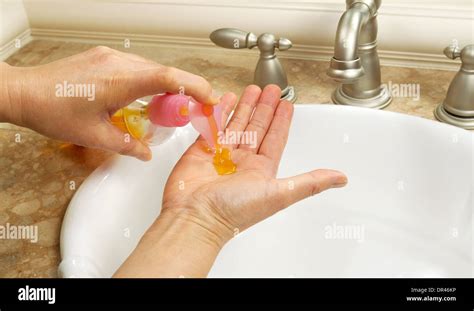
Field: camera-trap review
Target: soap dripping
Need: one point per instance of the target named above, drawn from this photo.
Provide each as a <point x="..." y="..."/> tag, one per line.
<point x="222" y="160"/>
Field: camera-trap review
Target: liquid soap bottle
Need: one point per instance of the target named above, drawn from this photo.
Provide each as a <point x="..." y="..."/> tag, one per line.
<point x="156" y="121"/>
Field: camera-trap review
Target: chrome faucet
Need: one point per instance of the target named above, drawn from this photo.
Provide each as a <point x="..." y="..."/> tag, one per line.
<point x="268" y="70"/>
<point x="356" y="63"/>
<point x="458" y="107"/>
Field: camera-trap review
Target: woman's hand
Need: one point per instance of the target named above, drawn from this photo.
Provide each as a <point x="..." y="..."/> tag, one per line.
<point x="201" y="210"/>
<point x="73" y="99"/>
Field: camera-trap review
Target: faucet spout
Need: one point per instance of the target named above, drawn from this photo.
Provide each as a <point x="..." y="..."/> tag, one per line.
<point x="355" y="64"/>
<point x="348" y="32"/>
<point x="346" y="66"/>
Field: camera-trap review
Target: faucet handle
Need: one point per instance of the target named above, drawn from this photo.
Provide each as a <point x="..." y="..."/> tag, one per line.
<point x="458" y="106"/>
<point x="231" y="38"/>
<point x="283" y="44"/>
<point x="268" y="70"/>
<point x="452" y="51"/>
<point x="466" y="55"/>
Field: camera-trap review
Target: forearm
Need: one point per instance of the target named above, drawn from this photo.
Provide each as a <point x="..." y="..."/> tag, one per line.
<point x="174" y="246"/>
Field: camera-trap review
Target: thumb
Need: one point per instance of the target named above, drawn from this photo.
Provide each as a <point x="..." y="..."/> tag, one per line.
<point x="114" y="139"/>
<point x="297" y="188"/>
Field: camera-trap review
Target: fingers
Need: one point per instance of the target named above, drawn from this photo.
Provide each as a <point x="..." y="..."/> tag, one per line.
<point x="115" y="140"/>
<point x="275" y="140"/>
<point x="262" y="116"/>
<point x="159" y="79"/>
<point x="297" y="188"/>
<point x="143" y="77"/>
<point x="244" y="110"/>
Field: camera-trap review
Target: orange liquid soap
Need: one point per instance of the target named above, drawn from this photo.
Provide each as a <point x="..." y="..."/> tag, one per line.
<point x="130" y="120"/>
<point x="223" y="161"/>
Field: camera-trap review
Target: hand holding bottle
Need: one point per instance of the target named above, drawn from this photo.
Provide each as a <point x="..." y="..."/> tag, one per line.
<point x="30" y="99"/>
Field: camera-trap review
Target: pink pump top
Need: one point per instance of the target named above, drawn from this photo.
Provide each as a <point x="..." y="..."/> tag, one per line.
<point x="176" y="110"/>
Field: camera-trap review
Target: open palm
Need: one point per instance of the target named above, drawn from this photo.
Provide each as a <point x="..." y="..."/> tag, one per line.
<point x="232" y="203"/>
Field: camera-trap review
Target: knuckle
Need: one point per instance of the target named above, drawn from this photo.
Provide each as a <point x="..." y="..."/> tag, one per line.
<point x="315" y="189"/>
<point x="258" y="124"/>
<point x="107" y="57"/>
<point x="205" y="86"/>
<point x="168" y="76"/>
<point x="103" y="54"/>
<point x="101" y="49"/>
<point x="239" y="120"/>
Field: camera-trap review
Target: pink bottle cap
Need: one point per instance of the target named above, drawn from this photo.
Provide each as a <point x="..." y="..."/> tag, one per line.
<point x="169" y="110"/>
<point x="175" y="110"/>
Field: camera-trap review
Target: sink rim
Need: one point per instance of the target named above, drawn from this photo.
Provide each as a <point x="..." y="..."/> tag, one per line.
<point x="365" y="110"/>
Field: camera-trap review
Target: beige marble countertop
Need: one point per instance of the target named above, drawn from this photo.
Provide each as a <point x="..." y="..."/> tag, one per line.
<point x="36" y="172"/>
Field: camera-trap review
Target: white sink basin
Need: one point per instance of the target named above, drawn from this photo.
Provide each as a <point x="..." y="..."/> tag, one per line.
<point x="406" y="212"/>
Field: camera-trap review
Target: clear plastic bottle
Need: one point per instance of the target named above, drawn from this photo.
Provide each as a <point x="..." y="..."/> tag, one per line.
<point x="154" y="120"/>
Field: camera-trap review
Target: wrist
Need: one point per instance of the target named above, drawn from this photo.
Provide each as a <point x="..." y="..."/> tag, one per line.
<point x="201" y="221"/>
<point x="176" y="245"/>
<point x="184" y="226"/>
<point x="10" y="94"/>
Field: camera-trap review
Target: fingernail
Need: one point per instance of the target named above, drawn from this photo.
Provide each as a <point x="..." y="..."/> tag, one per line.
<point x="214" y="99"/>
<point x="144" y="153"/>
<point x="341" y="181"/>
<point x="147" y="157"/>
